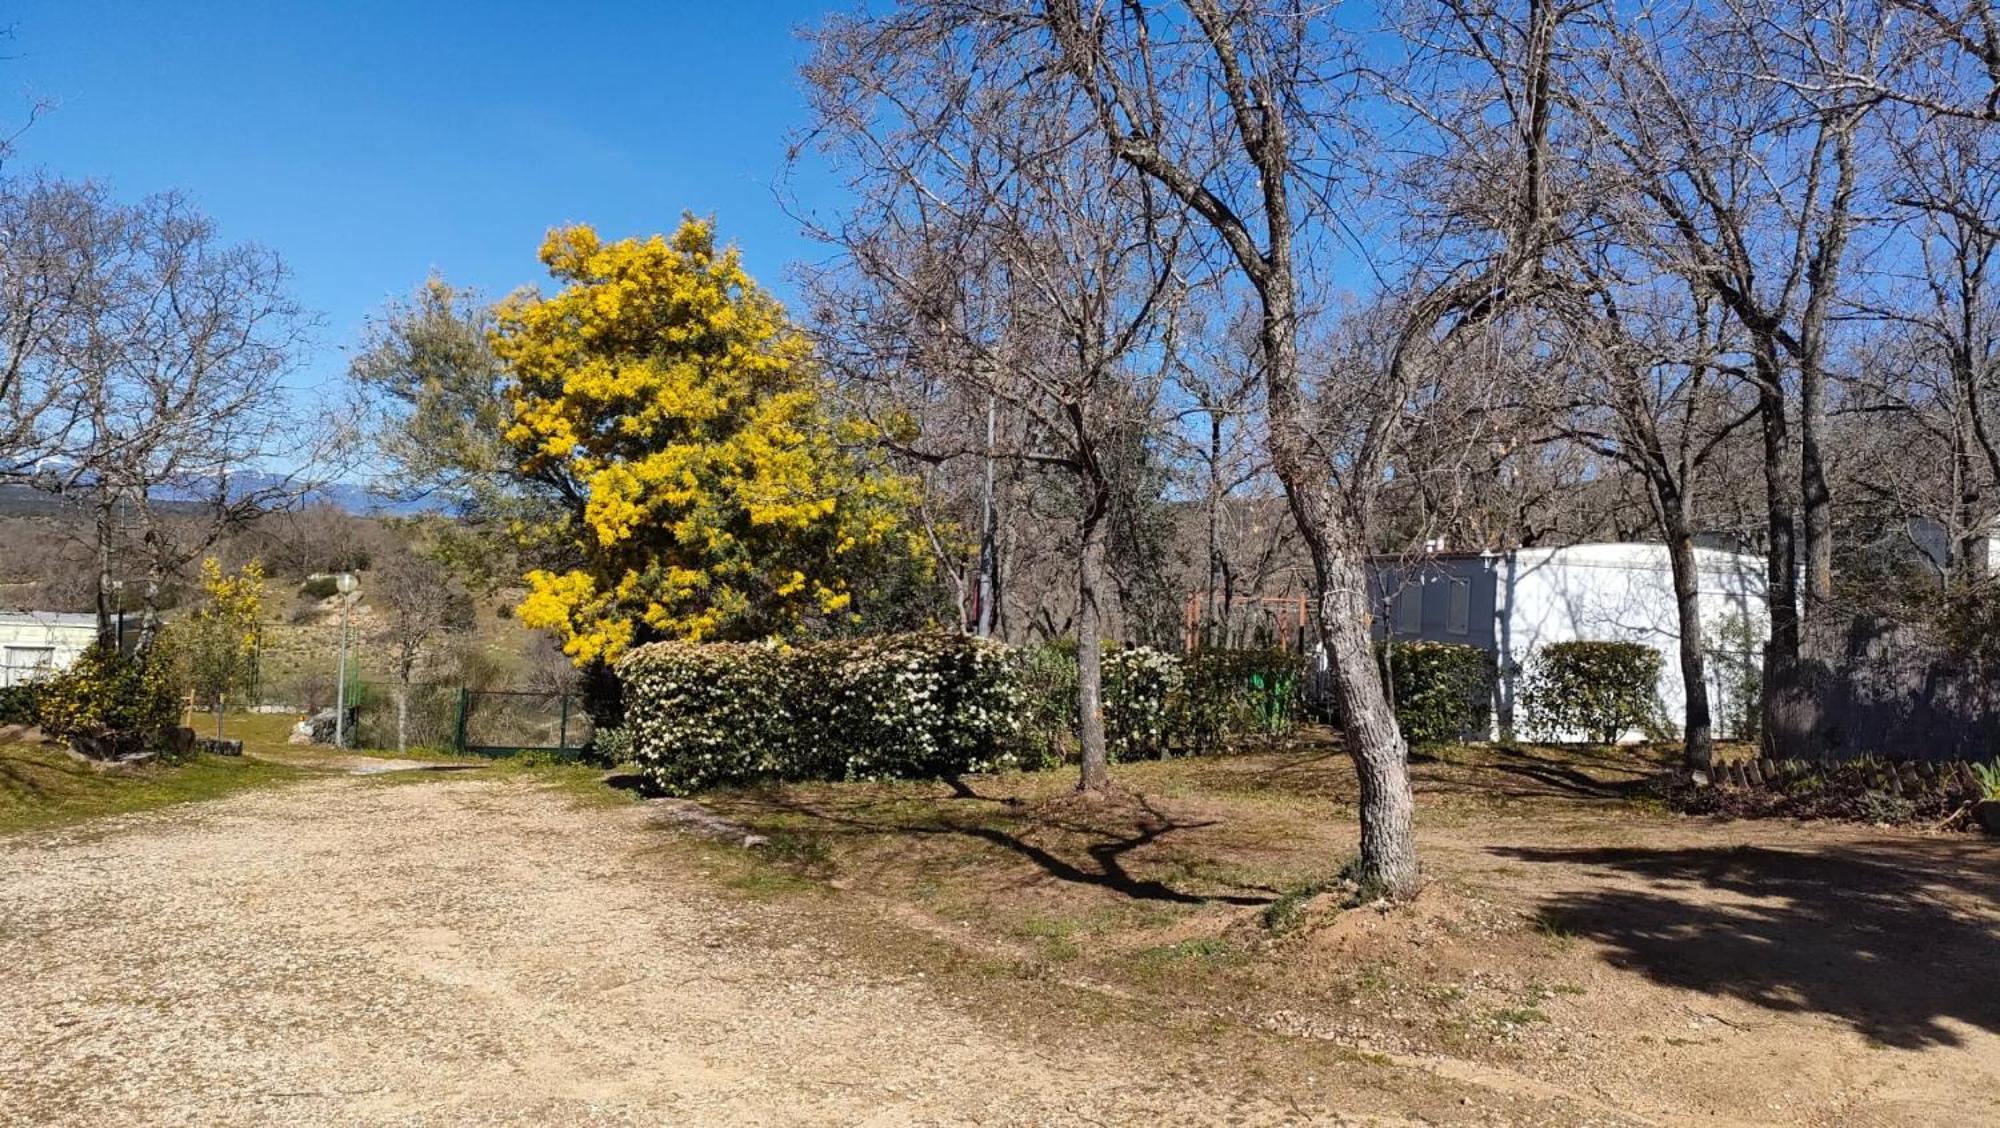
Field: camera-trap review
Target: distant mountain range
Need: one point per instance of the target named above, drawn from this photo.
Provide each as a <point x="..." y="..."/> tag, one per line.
<point x="26" y="501"/>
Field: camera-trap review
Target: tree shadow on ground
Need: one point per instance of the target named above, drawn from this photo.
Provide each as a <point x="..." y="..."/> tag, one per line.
<point x="1893" y="938"/>
<point x="1553" y="777"/>
<point x="1321" y="769"/>
<point x="1104" y="832"/>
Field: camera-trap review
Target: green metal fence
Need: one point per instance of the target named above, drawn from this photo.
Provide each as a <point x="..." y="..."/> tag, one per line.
<point x="431" y="718"/>
<point x="497" y="722"/>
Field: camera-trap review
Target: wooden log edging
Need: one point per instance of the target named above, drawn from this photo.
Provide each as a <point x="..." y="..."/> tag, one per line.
<point x="1902" y="778"/>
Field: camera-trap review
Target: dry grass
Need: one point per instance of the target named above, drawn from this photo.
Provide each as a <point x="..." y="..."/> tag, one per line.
<point x="1572" y="929"/>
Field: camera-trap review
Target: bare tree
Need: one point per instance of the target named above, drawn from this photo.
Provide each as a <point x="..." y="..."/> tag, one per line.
<point x="1242" y="114"/>
<point x="419" y="607"/>
<point x="1931" y="376"/>
<point x="52" y="236"/>
<point x="993" y="248"/>
<point x="1753" y="186"/>
<point x="184" y="428"/>
<point x="1651" y="386"/>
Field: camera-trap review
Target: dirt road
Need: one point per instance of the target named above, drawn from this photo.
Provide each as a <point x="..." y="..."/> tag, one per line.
<point x="478" y="951"/>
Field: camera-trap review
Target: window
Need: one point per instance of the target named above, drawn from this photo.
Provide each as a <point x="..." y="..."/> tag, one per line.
<point x="1459" y="619"/>
<point x="1410" y="609"/>
<point x="28" y="663"/>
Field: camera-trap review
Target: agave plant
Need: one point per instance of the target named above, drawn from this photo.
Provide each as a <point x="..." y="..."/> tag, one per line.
<point x="1988" y="776"/>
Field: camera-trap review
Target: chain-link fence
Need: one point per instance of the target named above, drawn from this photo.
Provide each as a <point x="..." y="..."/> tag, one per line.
<point x="429" y="715"/>
<point x="450" y="717"/>
<point x="493" y="721"/>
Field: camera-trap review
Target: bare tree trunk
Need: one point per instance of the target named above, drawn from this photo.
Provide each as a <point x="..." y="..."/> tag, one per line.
<point x="402" y="715"/>
<point x="1697" y="726"/>
<point x="1096" y="772"/>
<point x="1815" y="508"/>
<point x="105" y="531"/>
<point x="1782" y="739"/>
<point x="149" y="615"/>
<point x="1381" y="761"/>
<point x="1333" y="539"/>
<point x="1213" y="614"/>
<point x="1823" y="276"/>
<point x="989" y="563"/>
<point x="1965" y="556"/>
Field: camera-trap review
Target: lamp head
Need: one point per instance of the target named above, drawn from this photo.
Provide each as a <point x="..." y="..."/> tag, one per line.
<point x="345" y="583"/>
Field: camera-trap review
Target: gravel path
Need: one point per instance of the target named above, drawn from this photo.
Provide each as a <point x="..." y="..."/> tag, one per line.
<point x="470" y="951"/>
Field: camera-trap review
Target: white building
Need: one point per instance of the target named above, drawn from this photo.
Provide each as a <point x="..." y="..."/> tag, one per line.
<point x="1511" y="603"/>
<point x="32" y="643"/>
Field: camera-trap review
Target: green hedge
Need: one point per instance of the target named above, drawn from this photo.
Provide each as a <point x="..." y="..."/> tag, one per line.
<point x="1443" y="691"/>
<point x="1228" y="694"/>
<point x="1158" y="703"/>
<point x="899" y="706"/>
<point x="1599" y="689"/>
<point x="17" y="704"/>
<point x="1046" y="674"/>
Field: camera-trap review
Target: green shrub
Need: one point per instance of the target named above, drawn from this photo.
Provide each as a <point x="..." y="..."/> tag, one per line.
<point x="1138" y="682"/>
<point x="915" y="706"/>
<point x="611" y="745"/>
<point x="1226" y="694"/>
<point x="1156" y="703"/>
<point x="1599" y="689"/>
<point x="1443" y="691"/>
<point x="900" y="706"/>
<point x="112" y="703"/>
<point x="17" y="704"/>
<point x="1046" y="676"/>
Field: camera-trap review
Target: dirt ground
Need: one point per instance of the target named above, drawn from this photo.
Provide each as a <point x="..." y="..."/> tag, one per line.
<point x="470" y="950"/>
<point x="463" y="948"/>
<point x="1577" y="941"/>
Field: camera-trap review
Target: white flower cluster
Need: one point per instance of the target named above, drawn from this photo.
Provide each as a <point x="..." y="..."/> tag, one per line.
<point x="892" y="707"/>
<point x="1138" y="682"/>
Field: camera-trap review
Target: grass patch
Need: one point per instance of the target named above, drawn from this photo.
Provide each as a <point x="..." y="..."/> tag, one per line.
<point x="1055" y="937"/>
<point x="583" y="782"/>
<point x="1284" y="914"/>
<point x="1554" y="931"/>
<point x="803" y="852"/>
<point x="44" y="786"/>
<point x="1196" y="956"/>
<point x="765" y="882"/>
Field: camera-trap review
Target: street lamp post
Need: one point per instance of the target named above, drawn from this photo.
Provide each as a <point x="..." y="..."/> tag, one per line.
<point x="345" y="583"/>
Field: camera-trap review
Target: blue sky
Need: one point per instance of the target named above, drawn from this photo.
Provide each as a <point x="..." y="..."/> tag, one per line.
<point x="372" y="142"/>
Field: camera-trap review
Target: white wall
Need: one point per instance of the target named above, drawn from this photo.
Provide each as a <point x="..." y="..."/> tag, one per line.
<point x="1618" y="593"/>
<point x="28" y="637"/>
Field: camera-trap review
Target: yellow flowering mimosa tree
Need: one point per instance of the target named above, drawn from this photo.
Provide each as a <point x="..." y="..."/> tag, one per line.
<point x="219" y="640"/>
<point x="682" y="415"/>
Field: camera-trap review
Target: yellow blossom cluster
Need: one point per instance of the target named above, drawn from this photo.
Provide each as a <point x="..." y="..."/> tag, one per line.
<point x="683" y="413"/>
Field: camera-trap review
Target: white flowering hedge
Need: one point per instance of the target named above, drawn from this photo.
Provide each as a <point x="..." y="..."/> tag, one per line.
<point x="1139" y="681"/>
<point x="898" y="706"/>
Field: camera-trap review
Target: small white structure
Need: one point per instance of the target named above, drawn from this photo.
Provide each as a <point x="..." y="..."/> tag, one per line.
<point x="34" y="643"/>
<point x="1511" y="603"/>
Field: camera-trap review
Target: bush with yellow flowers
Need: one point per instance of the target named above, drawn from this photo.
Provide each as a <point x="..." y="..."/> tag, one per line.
<point x="112" y="704"/>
